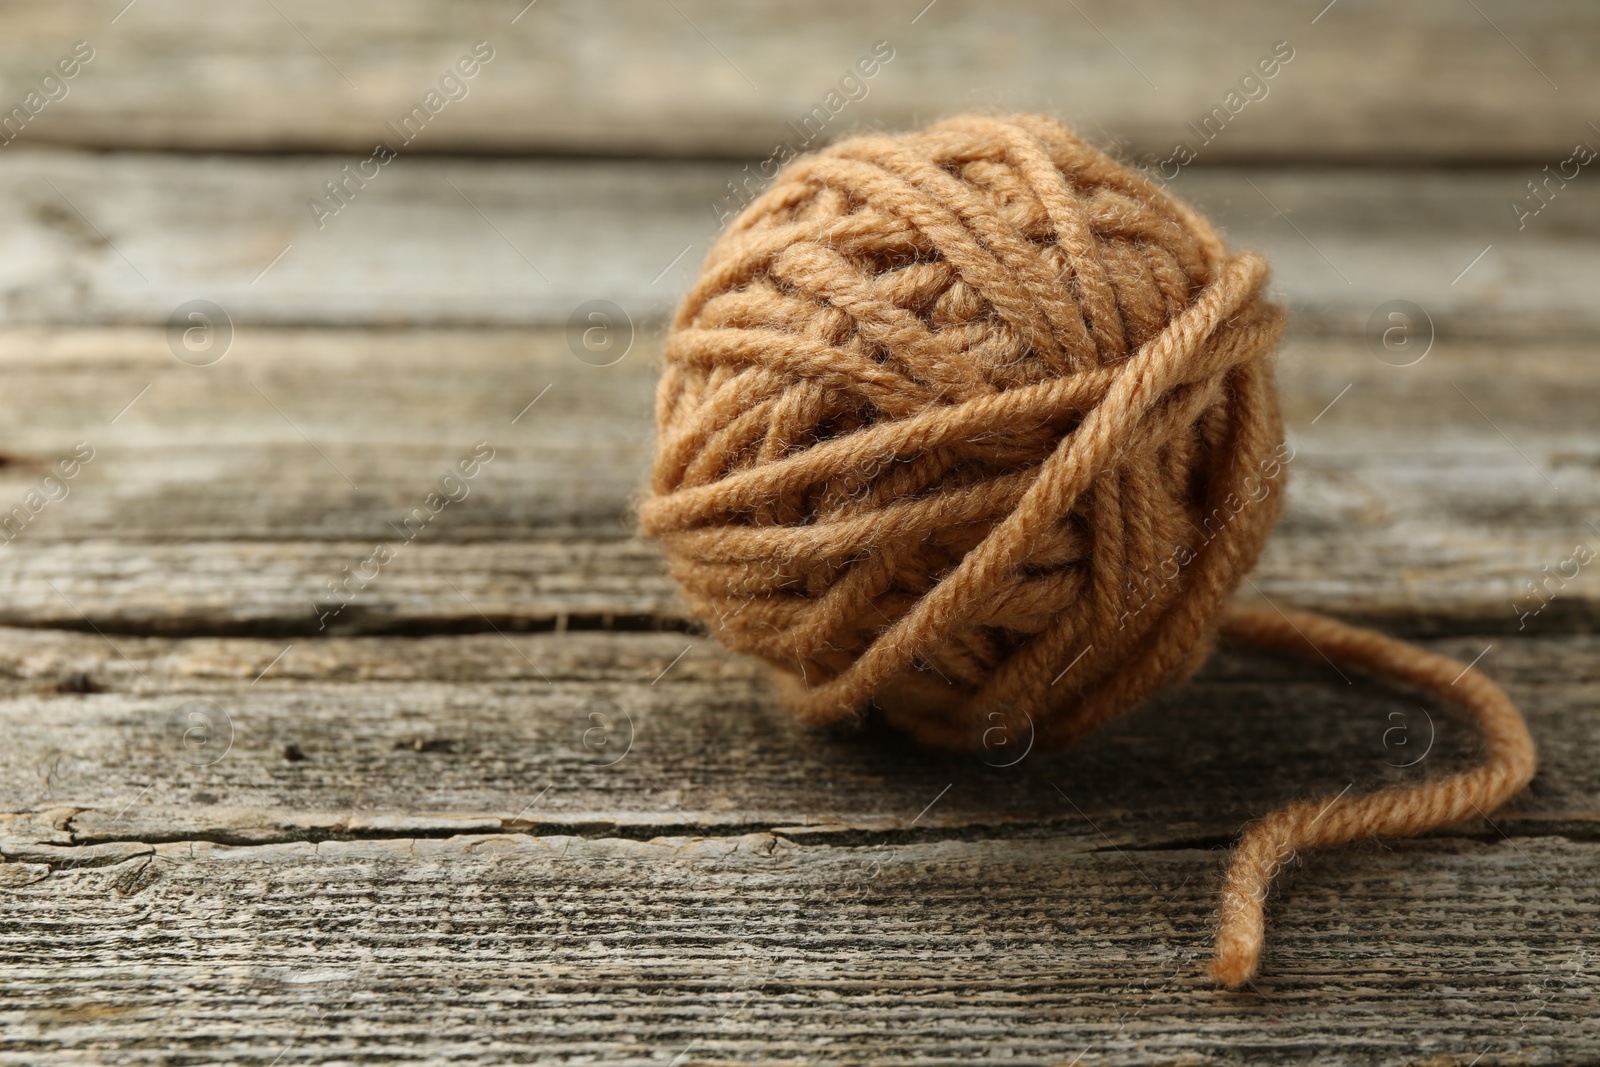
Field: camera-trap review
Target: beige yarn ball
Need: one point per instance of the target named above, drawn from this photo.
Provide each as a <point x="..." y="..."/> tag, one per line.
<point x="952" y="412"/>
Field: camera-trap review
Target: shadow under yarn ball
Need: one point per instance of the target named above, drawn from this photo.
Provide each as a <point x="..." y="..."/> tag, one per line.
<point x="947" y="412"/>
<point x="976" y="426"/>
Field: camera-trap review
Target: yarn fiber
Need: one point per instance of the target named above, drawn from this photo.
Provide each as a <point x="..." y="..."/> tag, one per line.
<point x="976" y="426"/>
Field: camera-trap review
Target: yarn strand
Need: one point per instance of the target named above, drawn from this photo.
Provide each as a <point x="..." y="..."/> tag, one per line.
<point x="1267" y="845"/>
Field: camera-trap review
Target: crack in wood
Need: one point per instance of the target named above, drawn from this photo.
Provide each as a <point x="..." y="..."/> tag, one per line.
<point x="842" y="837"/>
<point x="376" y="624"/>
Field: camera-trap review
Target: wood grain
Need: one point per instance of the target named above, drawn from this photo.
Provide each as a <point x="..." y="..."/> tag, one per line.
<point x="495" y="948"/>
<point x="1427" y="81"/>
<point x="644" y="734"/>
<point x="226" y="498"/>
<point x="128" y="238"/>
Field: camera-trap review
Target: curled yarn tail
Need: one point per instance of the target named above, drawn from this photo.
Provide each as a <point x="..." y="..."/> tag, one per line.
<point x="1265" y="846"/>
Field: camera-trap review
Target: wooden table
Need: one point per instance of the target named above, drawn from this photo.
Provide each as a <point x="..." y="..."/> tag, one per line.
<point x="508" y="804"/>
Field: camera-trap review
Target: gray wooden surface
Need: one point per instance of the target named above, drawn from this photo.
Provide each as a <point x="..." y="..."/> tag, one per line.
<point x="602" y="838"/>
<point x="90" y="238"/>
<point x="509" y="805"/>
<point x="1429" y="80"/>
<point x="206" y="505"/>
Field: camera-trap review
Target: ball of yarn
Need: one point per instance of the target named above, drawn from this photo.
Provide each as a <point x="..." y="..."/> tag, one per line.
<point x="972" y="424"/>
<point x="976" y="426"/>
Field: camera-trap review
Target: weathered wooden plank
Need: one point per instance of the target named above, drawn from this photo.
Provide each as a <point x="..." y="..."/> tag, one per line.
<point x="1432" y="80"/>
<point x="324" y="435"/>
<point x="645" y="734"/>
<point x="497" y="948"/>
<point x="1414" y="578"/>
<point x="226" y="498"/>
<point x="128" y="238"/>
